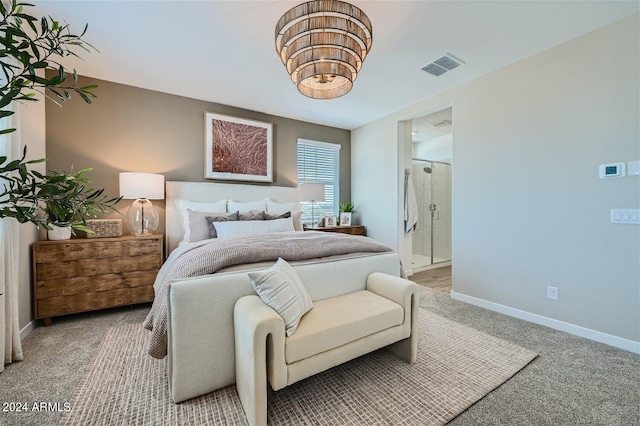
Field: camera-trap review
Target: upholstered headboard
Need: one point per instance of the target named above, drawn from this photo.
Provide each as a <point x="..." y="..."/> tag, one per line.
<point x="211" y="192"/>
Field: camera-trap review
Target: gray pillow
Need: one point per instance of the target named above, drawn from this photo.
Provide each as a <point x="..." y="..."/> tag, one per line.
<point x="252" y="215"/>
<point x="268" y="216"/>
<point x="227" y="217"/>
<point x="198" y="227"/>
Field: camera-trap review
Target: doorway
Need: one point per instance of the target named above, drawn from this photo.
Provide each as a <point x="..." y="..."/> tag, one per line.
<point x="431" y="173"/>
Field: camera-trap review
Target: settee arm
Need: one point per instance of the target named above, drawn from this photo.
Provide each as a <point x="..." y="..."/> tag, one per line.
<point x="406" y="294"/>
<point x="394" y="288"/>
<point x="258" y="329"/>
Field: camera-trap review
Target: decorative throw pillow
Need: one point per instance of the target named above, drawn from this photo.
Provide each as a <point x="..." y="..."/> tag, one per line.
<point x="268" y="216"/>
<point x="281" y="288"/>
<point x="252" y="215"/>
<point x="212" y="220"/>
<point x="229" y="229"/>
<point x="184" y="205"/>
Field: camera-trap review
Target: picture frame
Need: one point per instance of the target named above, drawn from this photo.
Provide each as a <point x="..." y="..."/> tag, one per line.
<point x="330" y="222"/>
<point x="345" y="219"/>
<point x="237" y="148"/>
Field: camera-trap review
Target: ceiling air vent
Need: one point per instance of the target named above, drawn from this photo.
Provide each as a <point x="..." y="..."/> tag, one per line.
<point x="442" y="65"/>
<point x="441" y="123"/>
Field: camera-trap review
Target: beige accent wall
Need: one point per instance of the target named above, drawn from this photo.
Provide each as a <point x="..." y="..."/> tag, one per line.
<point x="132" y="129"/>
<point x="528" y="208"/>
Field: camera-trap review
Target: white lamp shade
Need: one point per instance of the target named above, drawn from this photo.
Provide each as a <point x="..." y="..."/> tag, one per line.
<point x="312" y="192"/>
<point x="141" y="185"/>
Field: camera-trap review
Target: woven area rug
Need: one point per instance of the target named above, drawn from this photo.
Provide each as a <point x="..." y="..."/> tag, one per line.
<point x="456" y="367"/>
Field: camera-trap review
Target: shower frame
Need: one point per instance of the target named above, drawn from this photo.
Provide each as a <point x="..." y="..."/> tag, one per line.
<point x="432" y="204"/>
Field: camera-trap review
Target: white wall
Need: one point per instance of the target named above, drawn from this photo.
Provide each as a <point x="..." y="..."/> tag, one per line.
<point x="528" y="207"/>
<point x="375" y="155"/>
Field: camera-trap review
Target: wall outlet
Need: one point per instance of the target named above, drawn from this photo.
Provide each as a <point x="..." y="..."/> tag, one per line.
<point x="552" y="292"/>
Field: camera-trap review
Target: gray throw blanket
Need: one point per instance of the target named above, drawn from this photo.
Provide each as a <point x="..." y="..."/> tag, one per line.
<point x="209" y="256"/>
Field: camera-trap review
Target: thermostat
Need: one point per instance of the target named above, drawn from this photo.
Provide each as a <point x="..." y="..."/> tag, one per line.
<point x="612" y="170"/>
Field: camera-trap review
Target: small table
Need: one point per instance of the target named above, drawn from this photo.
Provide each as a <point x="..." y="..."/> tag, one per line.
<point x="352" y="230"/>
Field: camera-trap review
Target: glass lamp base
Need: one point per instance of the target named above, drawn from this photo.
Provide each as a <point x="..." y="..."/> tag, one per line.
<point x="142" y="218"/>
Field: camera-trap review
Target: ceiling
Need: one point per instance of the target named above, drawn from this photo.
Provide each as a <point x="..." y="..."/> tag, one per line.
<point x="223" y="51"/>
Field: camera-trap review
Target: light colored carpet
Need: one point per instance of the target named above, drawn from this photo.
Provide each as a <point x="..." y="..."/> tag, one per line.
<point x="456" y="367"/>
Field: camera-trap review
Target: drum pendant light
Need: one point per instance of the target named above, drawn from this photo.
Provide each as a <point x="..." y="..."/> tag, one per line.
<point x="322" y="44"/>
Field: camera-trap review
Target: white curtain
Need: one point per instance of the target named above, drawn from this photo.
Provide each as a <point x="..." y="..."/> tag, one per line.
<point x="10" y="345"/>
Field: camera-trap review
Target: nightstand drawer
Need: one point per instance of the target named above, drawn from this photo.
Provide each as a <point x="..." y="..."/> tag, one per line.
<point x="61" y="251"/>
<point x="62" y="305"/>
<point x="104" y="282"/>
<point x="92" y="267"/>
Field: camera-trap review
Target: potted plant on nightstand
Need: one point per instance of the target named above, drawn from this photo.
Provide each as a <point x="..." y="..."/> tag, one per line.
<point x="346" y="211"/>
<point x="68" y="203"/>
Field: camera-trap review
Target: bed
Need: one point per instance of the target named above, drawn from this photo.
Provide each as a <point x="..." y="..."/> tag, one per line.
<point x="192" y="315"/>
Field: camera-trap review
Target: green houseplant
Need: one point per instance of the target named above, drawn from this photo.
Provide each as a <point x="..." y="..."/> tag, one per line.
<point x="69" y="202"/>
<point x="28" y="47"/>
<point x="347" y="208"/>
<point x="346" y="211"/>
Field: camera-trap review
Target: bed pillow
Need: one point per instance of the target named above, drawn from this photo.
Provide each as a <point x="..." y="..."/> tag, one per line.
<point x="252" y="215"/>
<point x="268" y="216"/>
<point x="199" y="226"/>
<point x="233" y="206"/>
<point x="184" y="205"/>
<point x="281" y="288"/>
<point x="226" y="217"/>
<point x="274" y="207"/>
<point x="229" y="229"/>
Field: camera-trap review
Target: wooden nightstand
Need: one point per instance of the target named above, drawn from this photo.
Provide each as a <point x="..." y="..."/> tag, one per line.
<point x="353" y="229"/>
<point x="80" y="275"/>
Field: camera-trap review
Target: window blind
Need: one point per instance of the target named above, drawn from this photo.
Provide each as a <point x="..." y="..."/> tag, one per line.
<point x="319" y="162"/>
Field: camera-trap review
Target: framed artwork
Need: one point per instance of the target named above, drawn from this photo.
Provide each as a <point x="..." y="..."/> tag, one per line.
<point x="330" y="221"/>
<point x="345" y="219"/>
<point x="237" y="149"/>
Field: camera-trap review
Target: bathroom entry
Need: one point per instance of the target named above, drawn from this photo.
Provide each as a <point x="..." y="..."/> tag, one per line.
<point x="431" y="174"/>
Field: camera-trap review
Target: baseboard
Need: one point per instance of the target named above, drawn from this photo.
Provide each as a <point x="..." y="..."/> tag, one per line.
<point x="27" y="329"/>
<point x="608" y="339"/>
<point x="429" y="267"/>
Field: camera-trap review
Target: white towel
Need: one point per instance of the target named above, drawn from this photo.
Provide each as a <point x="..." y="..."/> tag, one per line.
<point x="410" y="204"/>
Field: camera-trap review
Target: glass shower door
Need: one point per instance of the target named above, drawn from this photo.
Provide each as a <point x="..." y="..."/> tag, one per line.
<point x="421" y="237"/>
<point x="431" y="241"/>
<point x="440" y="212"/>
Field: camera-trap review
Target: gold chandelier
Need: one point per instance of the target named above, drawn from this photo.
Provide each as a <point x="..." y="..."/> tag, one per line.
<point x="322" y="44"/>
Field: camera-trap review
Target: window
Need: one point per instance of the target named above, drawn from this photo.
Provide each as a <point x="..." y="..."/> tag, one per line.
<point x="319" y="162"/>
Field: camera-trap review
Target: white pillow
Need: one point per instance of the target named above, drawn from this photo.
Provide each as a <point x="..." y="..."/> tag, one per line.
<point x="195" y="206"/>
<point x="228" y="229"/>
<point x="281" y="288"/>
<point x="279" y="208"/>
<point x="237" y="206"/>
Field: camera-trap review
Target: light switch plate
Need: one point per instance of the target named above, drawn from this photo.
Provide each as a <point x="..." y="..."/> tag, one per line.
<point x="625" y="216"/>
<point x="633" y="168"/>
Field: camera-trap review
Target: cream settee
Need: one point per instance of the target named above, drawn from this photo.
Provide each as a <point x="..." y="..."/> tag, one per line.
<point x="201" y="354"/>
<point x="334" y="331"/>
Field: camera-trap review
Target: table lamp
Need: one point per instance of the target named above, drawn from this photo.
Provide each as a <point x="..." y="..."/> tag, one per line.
<point x="142" y="217"/>
<point x="312" y="192"/>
